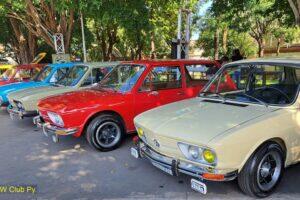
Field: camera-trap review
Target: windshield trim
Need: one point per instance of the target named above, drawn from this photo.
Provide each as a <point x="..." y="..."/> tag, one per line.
<point x="292" y="104"/>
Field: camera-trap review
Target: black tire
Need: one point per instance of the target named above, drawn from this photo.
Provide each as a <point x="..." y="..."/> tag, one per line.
<point x="95" y="133"/>
<point x="249" y="179"/>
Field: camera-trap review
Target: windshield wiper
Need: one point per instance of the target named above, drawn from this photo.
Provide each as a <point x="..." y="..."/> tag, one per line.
<point x="256" y="99"/>
<point x="215" y="94"/>
<point x="56" y="85"/>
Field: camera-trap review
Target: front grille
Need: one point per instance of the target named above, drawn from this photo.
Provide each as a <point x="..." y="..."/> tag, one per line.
<point x="18" y="105"/>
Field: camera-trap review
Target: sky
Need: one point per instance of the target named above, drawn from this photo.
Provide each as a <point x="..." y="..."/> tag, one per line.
<point x="202" y="11"/>
<point x="204" y="7"/>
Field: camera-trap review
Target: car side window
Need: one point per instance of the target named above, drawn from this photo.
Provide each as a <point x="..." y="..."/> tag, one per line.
<point x="88" y="80"/>
<point x="199" y="73"/>
<point x="94" y="77"/>
<point x="22" y="74"/>
<point x="269" y="76"/>
<point x="34" y="72"/>
<point x="59" y="74"/>
<point x="161" y="78"/>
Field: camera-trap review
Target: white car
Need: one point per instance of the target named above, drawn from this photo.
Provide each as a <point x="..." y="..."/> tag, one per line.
<point x="245" y="125"/>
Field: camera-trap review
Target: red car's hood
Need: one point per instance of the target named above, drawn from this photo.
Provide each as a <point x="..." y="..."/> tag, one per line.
<point x="78" y="100"/>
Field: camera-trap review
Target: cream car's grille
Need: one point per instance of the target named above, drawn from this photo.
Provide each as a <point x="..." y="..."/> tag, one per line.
<point x="161" y="144"/>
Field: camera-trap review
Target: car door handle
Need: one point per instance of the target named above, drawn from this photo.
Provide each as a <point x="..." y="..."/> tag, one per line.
<point x="180" y="93"/>
<point x="153" y="93"/>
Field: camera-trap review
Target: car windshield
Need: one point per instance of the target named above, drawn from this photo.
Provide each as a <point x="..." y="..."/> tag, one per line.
<point x="8" y="74"/>
<point x="261" y="84"/>
<point x="44" y="73"/>
<point x="73" y="76"/>
<point x="122" y="78"/>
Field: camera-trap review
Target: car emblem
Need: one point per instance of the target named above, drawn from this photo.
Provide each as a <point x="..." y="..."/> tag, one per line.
<point x="156" y="143"/>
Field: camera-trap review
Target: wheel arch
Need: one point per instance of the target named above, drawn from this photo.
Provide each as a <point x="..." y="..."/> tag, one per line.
<point x="111" y="112"/>
<point x="276" y="140"/>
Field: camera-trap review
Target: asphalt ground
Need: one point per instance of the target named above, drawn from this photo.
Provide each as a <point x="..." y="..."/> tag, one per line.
<point x="71" y="169"/>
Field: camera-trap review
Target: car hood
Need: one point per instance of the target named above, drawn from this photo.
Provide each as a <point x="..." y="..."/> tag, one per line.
<point x="19" y="86"/>
<point x="6" y="89"/>
<point x="76" y="100"/>
<point x="197" y="121"/>
<point x="38" y="93"/>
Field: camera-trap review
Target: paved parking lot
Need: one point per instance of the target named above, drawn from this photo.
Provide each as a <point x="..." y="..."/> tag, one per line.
<point x="73" y="170"/>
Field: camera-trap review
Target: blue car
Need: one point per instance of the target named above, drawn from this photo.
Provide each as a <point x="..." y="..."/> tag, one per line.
<point x="49" y="75"/>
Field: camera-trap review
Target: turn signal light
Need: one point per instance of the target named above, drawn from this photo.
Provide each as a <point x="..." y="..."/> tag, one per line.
<point x="140" y="132"/>
<point x="135" y="139"/>
<point x="213" y="177"/>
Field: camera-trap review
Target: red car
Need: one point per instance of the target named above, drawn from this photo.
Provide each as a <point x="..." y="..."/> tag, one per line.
<point x="105" y="112"/>
<point x="20" y="73"/>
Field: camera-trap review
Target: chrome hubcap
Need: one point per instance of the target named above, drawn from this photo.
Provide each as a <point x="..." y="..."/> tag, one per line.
<point x="269" y="170"/>
<point x="108" y="134"/>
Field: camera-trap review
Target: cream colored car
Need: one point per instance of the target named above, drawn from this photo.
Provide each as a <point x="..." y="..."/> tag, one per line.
<point x="245" y="125"/>
<point x="24" y="103"/>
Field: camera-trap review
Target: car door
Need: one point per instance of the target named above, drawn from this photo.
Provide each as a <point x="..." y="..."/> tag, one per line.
<point x="167" y="81"/>
<point x="146" y="98"/>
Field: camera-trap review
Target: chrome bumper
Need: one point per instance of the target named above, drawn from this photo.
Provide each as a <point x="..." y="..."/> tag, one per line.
<point x="53" y="131"/>
<point x="15" y="113"/>
<point x="176" y="166"/>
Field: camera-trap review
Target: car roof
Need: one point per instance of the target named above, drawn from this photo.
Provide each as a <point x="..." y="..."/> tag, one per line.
<point x="278" y="61"/>
<point x="62" y="65"/>
<point x="166" y="62"/>
<point x="100" y="64"/>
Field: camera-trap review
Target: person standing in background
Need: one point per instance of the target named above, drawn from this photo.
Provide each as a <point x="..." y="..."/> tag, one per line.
<point x="236" y="55"/>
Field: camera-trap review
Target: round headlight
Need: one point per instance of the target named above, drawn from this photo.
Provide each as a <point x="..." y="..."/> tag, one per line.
<point x="194" y="152"/>
<point x="56" y="119"/>
<point x="209" y="156"/>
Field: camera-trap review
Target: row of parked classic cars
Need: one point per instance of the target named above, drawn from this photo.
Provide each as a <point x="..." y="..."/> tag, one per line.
<point x="194" y="117"/>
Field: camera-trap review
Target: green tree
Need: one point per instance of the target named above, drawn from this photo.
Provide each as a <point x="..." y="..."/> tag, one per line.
<point x="253" y="16"/>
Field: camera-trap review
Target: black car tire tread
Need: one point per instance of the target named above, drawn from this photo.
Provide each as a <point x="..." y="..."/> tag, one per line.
<point x="94" y="124"/>
<point x="247" y="176"/>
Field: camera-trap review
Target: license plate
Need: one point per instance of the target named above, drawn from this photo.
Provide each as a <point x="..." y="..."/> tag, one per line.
<point x="198" y="186"/>
<point x="167" y="170"/>
<point x="134" y="152"/>
<point x="14" y="116"/>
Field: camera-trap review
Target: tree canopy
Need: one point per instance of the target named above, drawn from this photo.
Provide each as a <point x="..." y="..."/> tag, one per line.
<point x="135" y="29"/>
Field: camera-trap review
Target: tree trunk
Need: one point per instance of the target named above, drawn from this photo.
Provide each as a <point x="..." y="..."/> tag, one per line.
<point x="261" y="48"/>
<point x="278" y="47"/>
<point x="132" y="56"/>
<point x="100" y="38"/>
<point x="153" y="50"/>
<point x="25" y="43"/>
<point x="225" y="40"/>
<point x="42" y="20"/>
<point x="295" y="6"/>
<point x="112" y="39"/>
<point x="139" y="53"/>
<point x="216" y="44"/>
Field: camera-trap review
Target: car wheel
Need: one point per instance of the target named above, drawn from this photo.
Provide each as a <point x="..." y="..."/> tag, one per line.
<point x="105" y="132"/>
<point x="263" y="171"/>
